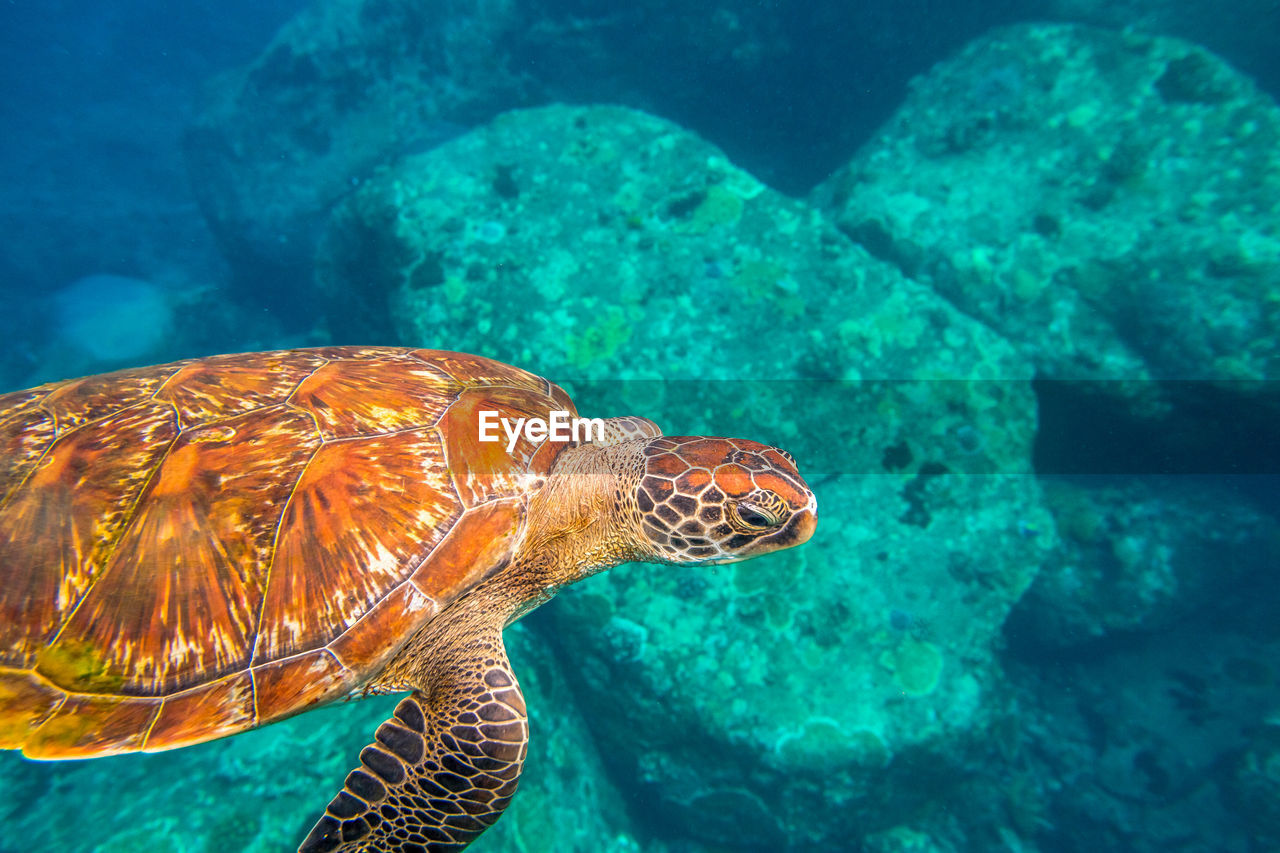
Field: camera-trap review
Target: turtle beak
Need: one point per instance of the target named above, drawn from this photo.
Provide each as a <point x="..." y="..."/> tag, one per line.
<point x="805" y="523"/>
<point x="798" y="529"/>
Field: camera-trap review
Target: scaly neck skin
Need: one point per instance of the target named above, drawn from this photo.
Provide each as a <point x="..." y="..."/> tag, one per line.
<point x="576" y="528"/>
<point x="576" y="525"/>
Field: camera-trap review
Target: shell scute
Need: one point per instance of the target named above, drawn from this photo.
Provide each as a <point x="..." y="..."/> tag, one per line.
<point x="16" y="403"/>
<point x="362" y="516"/>
<point x="362" y="397"/>
<point x="221" y="707"/>
<point x="25" y="703"/>
<point x="364" y="647"/>
<point x="292" y="685"/>
<point x="471" y="371"/>
<point x="485" y="470"/>
<point x="84" y="726"/>
<point x="227" y="385"/>
<point x="482" y="541"/>
<point x="62" y="523"/>
<point x="350" y="353"/>
<point x="24" y="437"/>
<point x="83" y="400"/>
<point x="178" y="599"/>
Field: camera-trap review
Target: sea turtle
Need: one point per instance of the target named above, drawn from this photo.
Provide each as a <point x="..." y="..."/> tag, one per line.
<point x="196" y="549"/>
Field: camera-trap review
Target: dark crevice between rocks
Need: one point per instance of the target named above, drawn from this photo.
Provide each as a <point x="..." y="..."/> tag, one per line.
<point x="1221" y="432"/>
<point x="1211" y="437"/>
<point x="358" y="255"/>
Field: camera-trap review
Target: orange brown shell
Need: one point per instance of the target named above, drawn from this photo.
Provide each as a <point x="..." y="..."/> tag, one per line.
<point x="190" y="550"/>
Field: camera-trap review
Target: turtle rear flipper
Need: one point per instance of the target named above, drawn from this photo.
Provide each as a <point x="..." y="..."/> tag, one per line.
<point x="440" y="771"/>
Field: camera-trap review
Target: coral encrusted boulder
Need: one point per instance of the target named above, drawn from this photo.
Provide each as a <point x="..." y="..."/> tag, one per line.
<point x="1108" y="201"/>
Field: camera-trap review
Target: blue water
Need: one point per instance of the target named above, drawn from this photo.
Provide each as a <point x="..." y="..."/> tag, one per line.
<point x="1004" y="278"/>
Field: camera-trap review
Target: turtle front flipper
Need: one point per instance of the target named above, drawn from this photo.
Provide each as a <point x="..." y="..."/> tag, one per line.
<point x="439" y="772"/>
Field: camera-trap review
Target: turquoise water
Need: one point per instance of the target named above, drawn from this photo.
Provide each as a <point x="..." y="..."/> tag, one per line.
<point x="1004" y="280"/>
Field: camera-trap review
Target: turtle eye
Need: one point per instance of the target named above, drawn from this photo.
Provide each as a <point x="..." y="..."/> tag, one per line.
<point x="754" y="516"/>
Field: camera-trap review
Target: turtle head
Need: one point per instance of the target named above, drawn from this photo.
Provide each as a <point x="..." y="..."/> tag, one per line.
<point x="719" y="500"/>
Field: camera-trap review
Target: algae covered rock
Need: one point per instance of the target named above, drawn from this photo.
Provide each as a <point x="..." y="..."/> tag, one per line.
<point x="1109" y="201"/>
<point x="1141" y="555"/>
<point x="1252" y="788"/>
<point x="350" y="84"/>
<point x="627" y="258"/>
<point x="1166" y="738"/>
<point x="784" y="703"/>
<point x="791" y="700"/>
<point x="1245" y="34"/>
<point x="344" y="86"/>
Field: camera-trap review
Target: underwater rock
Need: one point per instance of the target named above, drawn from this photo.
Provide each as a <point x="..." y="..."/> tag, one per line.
<point x="97" y="323"/>
<point x="1252" y="787"/>
<point x="261" y="791"/>
<point x="349" y="85"/>
<point x="1105" y="200"/>
<point x="805" y="694"/>
<point x="840" y="684"/>
<point x="1163" y="740"/>
<point x="1140" y="556"/>
<point x="345" y="86"/>
<point x="113" y="319"/>
<point x="1245" y="36"/>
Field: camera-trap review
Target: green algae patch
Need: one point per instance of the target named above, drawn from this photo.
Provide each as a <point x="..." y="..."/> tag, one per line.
<point x="902" y="839"/>
<point x="601" y="341"/>
<point x="765" y="280"/>
<point x="824" y="744"/>
<point x="78" y="667"/>
<point x="716" y="206"/>
<point x="916" y="667"/>
<point x="68" y="730"/>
